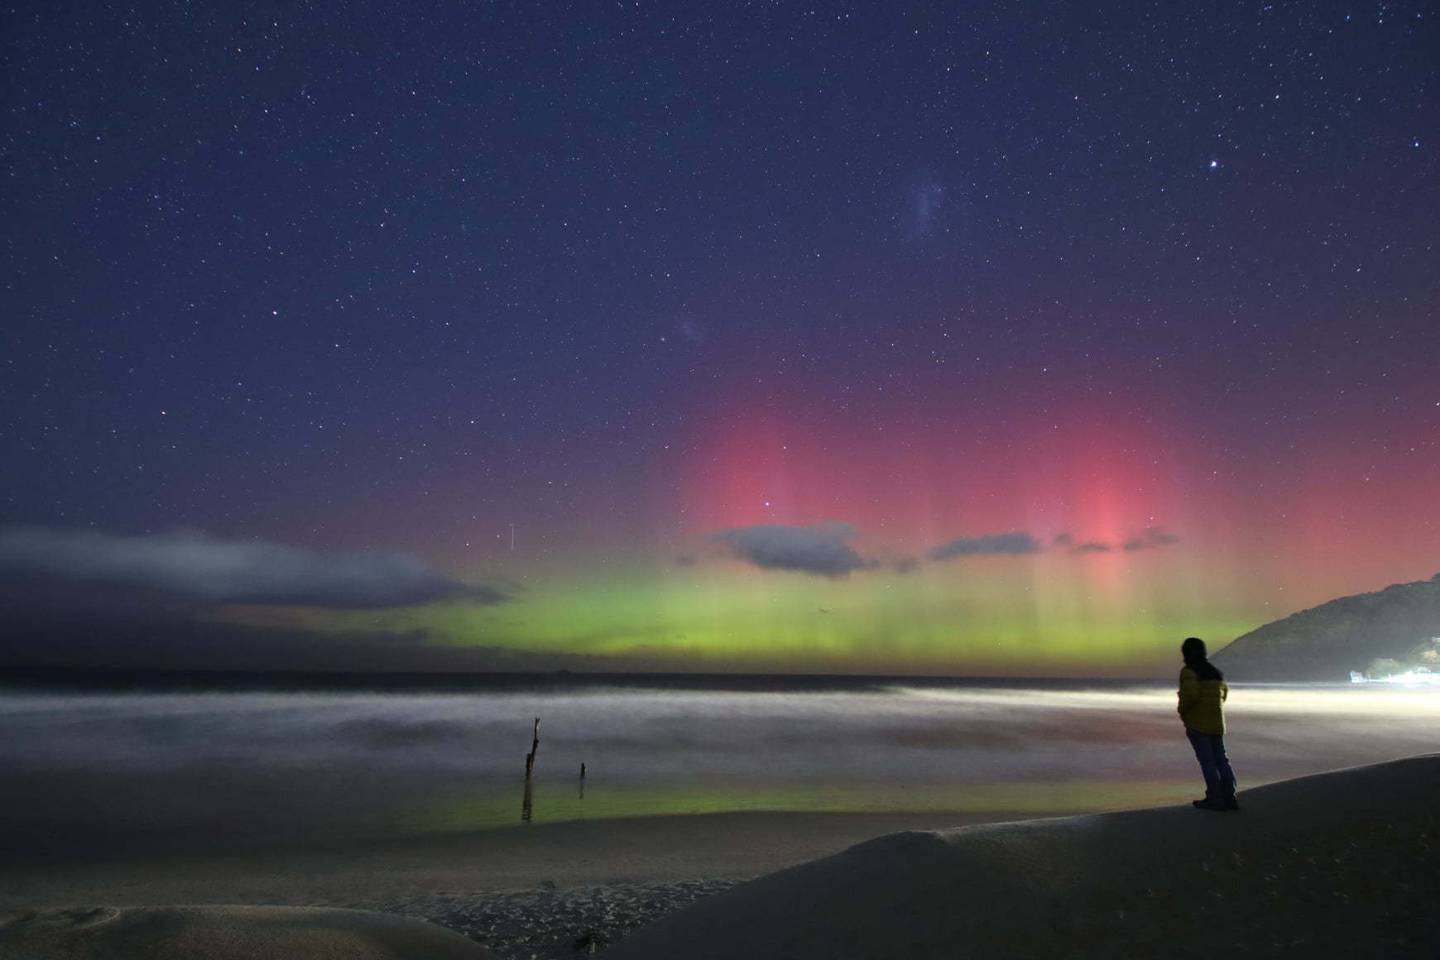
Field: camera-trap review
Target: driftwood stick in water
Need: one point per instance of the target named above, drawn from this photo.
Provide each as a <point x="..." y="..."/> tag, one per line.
<point x="534" y="745"/>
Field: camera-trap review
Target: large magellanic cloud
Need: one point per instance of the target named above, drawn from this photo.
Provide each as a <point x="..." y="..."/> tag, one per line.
<point x="199" y="567"/>
<point x="1015" y="543"/>
<point x="823" y="549"/>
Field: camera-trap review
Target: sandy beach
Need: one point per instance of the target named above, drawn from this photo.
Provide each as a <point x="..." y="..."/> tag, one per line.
<point x="536" y="890"/>
<point x="1341" y="862"/>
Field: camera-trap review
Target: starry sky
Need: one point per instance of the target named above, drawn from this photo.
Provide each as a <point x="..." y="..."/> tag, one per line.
<point x="992" y="338"/>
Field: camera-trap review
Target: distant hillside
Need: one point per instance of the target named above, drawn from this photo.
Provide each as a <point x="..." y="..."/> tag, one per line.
<point x="1328" y="641"/>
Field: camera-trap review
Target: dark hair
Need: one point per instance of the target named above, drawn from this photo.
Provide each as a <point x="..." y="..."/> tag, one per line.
<point x="1193" y="652"/>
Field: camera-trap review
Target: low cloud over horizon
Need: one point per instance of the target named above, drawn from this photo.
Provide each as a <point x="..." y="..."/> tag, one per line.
<point x="822" y="549"/>
<point x="200" y="567"/>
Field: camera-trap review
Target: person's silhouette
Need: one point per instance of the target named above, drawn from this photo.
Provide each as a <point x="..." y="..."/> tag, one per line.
<point x="1202" y="694"/>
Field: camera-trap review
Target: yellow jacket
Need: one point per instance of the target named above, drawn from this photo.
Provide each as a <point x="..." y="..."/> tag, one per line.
<point x="1200" y="703"/>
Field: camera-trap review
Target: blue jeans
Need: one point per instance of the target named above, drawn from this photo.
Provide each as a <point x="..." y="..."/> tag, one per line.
<point x="1219" y="778"/>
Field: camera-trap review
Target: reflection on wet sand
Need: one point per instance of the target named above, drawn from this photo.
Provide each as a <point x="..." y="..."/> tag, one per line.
<point x="527" y="802"/>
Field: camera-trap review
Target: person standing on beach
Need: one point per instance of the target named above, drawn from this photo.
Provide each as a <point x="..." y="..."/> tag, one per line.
<point x="1202" y="693"/>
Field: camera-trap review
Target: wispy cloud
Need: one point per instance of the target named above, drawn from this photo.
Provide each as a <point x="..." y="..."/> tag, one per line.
<point x="823" y="549"/>
<point x="203" y="568"/>
<point x="1015" y="543"/>
<point x="1149" y="539"/>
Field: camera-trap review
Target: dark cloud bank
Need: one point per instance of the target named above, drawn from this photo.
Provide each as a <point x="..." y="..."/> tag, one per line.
<point x="84" y="629"/>
<point x="88" y="600"/>
<point x="198" y="567"/>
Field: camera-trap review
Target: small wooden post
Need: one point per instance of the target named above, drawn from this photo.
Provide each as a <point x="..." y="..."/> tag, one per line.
<point x="534" y="745"/>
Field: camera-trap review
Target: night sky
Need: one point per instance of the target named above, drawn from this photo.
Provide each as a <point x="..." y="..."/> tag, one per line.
<point x="983" y="338"/>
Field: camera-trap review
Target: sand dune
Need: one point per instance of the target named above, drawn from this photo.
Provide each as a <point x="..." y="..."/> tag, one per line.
<point x="1338" y="864"/>
<point x="227" y="933"/>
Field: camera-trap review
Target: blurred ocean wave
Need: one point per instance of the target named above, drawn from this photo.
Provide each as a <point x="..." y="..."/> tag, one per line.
<point x="374" y="758"/>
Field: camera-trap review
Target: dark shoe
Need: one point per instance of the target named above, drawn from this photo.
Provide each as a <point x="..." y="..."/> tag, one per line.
<point x="1205" y="805"/>
<point x="1231" y="805"/>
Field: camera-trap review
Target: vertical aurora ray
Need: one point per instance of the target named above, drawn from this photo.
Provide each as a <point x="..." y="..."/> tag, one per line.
<point x="1083" y="478"/>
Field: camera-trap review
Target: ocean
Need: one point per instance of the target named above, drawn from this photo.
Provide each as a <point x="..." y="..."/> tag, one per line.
<point x="105" y="770"/>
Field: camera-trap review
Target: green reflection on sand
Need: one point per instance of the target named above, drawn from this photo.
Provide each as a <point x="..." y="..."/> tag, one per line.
<point x="551" y="802"/>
